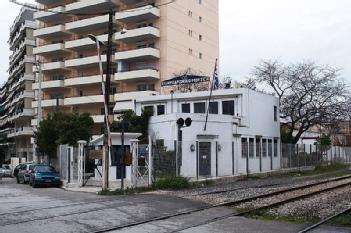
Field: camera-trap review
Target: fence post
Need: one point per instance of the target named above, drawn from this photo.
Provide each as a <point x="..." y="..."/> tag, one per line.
<point x="150" y="161"/>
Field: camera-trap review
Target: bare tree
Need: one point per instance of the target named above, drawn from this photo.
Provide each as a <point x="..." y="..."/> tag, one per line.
<point x="309" y="94"/>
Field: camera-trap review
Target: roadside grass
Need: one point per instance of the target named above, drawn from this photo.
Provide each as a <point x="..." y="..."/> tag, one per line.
<point x="342" y="220"/>
<point x="298" y="219"/>
<point x="165" y="183"/>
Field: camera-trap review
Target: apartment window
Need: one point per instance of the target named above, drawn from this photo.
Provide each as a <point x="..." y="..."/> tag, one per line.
<point x="213" y="108"/>
<point x="80" y="93"/>
<point x="200" y="37"/>
<point x="160" y="110"/>
<point x="200" y="55"/>
<point x="200" y="107"/>
<point x="244" y="147"/>
<point x="190" y="32"/>
<point x="200" y="2"/>
<point x="200" y="19"/>
<point x="264" y="147"/>
<point x="190" y="52"/>
<point x="251" y="147"/>
<point x="190" y="13"/>
<point x="258" y="147"/>
<point x="185" y="108"/>
<point x="275" y="113"/>
<point x="228" y="107"/>
<point x="149" y="108"/>
<point x="146" y="87"/>
<point x="113" y="90"/>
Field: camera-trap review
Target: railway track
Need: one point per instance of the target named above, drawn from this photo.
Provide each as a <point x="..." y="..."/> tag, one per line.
<point x="322" y="222"/>
<point x="343" y="181"/>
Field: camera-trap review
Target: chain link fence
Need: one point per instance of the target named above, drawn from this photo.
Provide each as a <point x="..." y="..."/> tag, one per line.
<point x="299" y="155"/>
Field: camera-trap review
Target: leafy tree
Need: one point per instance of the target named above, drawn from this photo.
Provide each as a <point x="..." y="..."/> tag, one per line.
<point x="134" y="123"/>
<point x="76" y="127"/>
<point x="62" y="128"/>
<point x="324" y="140"/>
<point x="309" y="94"/>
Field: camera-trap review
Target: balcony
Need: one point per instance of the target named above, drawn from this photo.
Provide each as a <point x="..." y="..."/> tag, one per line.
<point x="89" y="24"/>
<point x="51" y="32"/>
<point x="34" y="122"/>
<point x="101" y="118"/>
<point x="24" y="113"/>
<point x="51" y="66"/>
<point x="86" y="61"/>
<point x="87" y="80"/>
<point x="49" y="84"/>
<point x="83" y="44"/>
<point x="53" y="15"/>
<point x="50" y="49"/>
<point x="93" y="99"/>
<point x="134" y="95"/>
<point x="48" y="2"/>
<point x="136" y="75"/>
<point x="148" y="12"/>
<point x="24" y="131"/>
<point x="90" y="6"/>
<point x="138" y="34"/>
<point x="48" y="103"/>
<point x="124" y="101"/>
<point x="138" y="54"/>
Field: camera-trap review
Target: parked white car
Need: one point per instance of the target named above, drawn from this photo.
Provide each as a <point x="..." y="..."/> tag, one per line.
<point x="5" y="170"/>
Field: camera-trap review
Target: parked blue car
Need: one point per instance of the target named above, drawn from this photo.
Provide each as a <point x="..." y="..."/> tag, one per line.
<point x="44" y="175"/>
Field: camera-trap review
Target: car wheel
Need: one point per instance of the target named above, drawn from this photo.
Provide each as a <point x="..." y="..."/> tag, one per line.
<point x="34" y="185"/>
<point x="17" y="180"/>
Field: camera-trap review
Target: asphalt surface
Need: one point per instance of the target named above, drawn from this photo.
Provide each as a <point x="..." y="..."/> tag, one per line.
<point x="24" y="209"/>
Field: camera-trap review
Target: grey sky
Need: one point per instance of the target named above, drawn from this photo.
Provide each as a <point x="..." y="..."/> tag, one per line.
<point x="252" y="30"/>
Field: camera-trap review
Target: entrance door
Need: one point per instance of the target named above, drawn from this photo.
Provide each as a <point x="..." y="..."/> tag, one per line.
<point x="204" y="158"/>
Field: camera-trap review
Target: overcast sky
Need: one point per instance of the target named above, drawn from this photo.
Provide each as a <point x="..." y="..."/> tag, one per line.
<point x="253" y="30"/>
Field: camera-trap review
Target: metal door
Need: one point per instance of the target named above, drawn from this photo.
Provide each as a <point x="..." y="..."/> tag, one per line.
<point x="204" y="158"/>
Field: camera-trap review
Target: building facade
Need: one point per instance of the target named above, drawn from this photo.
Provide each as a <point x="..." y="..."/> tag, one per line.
<point x="162" y="39"/>
<point x="17" y="94"/>
<point x="242" y="132"/>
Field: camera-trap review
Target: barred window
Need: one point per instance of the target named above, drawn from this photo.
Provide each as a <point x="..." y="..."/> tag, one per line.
<point x="244" y="147"/>
<point x="264" y="147"/>
<point x="251" y="147"/>
<point x="258" y="147"/>
<point x="270" y="148"/>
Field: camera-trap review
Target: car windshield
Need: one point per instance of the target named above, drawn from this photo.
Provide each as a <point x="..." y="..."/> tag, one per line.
<point x="6" y="166"/>
<point x="44" y="169"/>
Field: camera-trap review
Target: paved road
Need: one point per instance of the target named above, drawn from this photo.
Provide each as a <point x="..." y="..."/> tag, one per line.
<point x="24" y="209"/>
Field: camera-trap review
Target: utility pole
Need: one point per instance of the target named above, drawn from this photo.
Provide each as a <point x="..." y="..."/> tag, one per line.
<point x="107" y="139"/>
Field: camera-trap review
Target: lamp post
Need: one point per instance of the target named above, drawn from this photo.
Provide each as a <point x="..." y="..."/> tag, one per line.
<point x="39" y="109"/>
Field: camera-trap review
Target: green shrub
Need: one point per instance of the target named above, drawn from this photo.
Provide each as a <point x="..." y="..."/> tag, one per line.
<point x="171" y="183"/>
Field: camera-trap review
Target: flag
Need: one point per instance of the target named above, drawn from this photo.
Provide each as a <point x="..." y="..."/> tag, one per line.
<point x="215" y="80"/>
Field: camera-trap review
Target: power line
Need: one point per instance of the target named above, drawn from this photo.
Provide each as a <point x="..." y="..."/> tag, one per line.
<point x="30" y="6"/>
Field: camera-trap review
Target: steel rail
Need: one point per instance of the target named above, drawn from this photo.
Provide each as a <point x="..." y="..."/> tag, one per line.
<point x="316" y="225"/>
<point x="233" y="203"/>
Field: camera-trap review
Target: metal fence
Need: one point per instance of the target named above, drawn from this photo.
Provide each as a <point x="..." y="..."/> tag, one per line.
<point x="300" y="155"/>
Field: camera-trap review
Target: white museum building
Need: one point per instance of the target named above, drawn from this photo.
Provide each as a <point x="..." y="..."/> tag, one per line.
<point x="242" y="132"/>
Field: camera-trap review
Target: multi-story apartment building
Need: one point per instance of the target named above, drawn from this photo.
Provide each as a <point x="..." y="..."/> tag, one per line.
<point x="163" y="38"/>
<point x="16" y="94"/>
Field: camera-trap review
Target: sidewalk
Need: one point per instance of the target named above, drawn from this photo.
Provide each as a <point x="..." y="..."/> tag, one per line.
<point x="87" y="189"/>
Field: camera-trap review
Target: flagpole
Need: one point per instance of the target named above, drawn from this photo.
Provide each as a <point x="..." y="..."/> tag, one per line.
<point x="209" y="100"/>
